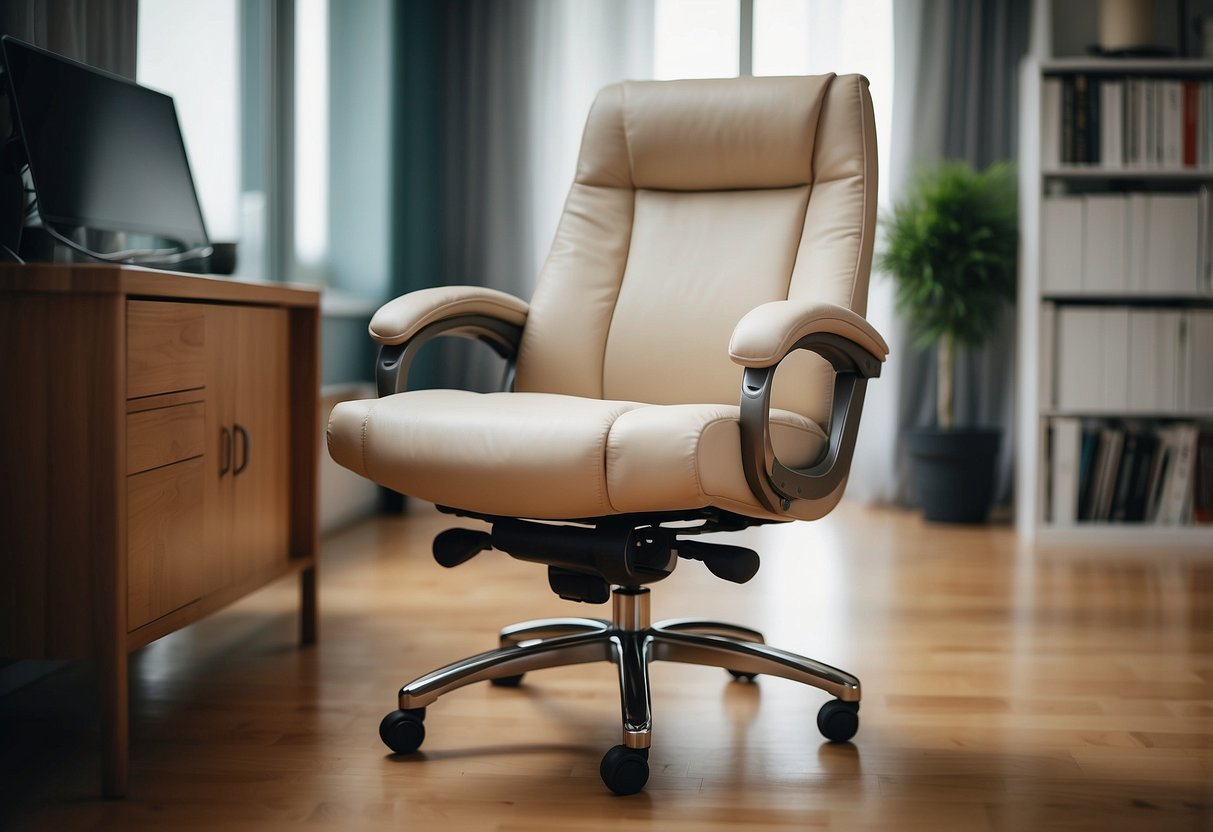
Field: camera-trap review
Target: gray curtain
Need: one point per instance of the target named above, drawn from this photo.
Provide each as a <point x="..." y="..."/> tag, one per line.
<point x="486" y="195"/>
<point x="484" y="157"/>
<point x="956" y="97"/>
<point x="101" y="33"/>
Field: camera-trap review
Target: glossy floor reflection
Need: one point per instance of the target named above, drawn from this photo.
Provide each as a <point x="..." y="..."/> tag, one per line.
<point x="1004" y="689"/>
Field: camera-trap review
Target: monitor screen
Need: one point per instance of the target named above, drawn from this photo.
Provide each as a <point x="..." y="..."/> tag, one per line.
<point x="104" y="153"/>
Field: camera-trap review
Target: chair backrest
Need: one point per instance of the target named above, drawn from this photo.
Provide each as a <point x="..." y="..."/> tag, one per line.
<point x="693" y="203"/>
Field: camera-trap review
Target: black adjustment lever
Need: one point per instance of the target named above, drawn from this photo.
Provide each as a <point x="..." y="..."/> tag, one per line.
<point x="732" y="563"/>
<point x="455" y="546"/>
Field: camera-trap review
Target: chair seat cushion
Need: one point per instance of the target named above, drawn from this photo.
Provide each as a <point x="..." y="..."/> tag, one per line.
<point x="543" y="455"/>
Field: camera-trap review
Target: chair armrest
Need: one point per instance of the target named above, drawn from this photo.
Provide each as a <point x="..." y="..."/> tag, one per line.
<point x="761" y="340"/>
<point x="767" y="333"/>
<point x="404" y="325"/>
<point x="399" y="320"/>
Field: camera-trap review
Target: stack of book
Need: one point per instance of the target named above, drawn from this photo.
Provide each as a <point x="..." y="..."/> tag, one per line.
<point x="1109" y="472"/>
<point x="1128" y="360"/>
<point x="1126" y="122"/>
<point x="1135" y="243"/>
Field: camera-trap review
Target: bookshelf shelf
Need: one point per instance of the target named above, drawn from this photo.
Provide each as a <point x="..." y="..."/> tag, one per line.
<point x="1122" y="413"/>
<point x="1102" y="298"/>
<point x="1127" y="66"/>
<point x="1122" y="173"/>
<point x="1095" y="270"/>
<point x="1112" y="536"/>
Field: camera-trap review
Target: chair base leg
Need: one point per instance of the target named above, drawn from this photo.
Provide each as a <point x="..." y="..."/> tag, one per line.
<point x="631" y="643"/>
<point x="550" y="627"/>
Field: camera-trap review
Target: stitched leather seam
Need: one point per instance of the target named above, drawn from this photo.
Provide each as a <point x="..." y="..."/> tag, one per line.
<point x="698" y="448"/>
<point x="627" y="255"/>
<point x="605" y="499"/>
<point x="365" y="424"/>
<point x="623" y="270"/>
<point x="627" y="142"/>
<point x="863" y="234"/>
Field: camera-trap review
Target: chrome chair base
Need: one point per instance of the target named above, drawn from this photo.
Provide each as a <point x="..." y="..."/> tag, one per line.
<point x="631" y="643"/>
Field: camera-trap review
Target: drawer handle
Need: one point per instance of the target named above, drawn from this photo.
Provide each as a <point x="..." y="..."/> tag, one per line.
<point x="244" y="457"/>
<point x="225" y="450"/>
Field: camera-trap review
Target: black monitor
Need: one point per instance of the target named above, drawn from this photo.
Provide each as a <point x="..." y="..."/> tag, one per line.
<point x="104" y="153"/>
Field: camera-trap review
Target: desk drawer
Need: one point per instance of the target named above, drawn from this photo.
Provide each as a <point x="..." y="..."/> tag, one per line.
<point x="165" y="347"/>
<point x="166" y="549"/>
<point x="165" y="435"/>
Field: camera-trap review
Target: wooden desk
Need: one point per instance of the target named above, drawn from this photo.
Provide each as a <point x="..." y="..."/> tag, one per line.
<point x="158" y="461"/>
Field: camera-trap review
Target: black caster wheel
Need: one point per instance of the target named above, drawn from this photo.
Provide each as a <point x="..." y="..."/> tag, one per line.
<point x="403" y="731"/>
<point x="742" y="676"/>
<point x="625" y="770"/>
<point x="837" y="720"/>
<point x="507" y="681"/>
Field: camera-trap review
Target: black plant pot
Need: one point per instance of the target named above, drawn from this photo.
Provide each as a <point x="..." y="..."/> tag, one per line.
<point x="953" y="472"/>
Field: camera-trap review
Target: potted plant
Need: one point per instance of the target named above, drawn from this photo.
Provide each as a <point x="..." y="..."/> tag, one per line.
<point x="951" y="247"/>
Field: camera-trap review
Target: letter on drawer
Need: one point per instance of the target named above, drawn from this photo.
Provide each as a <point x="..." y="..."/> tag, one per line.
<point x="167" y="434"/>
<point x="165" y="347"/>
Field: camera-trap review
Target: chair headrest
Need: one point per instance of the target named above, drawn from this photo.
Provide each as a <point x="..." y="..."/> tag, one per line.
<point x="704" y="135"/>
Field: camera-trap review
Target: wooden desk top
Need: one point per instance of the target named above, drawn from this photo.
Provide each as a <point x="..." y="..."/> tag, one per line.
<point x="135" y="281"/>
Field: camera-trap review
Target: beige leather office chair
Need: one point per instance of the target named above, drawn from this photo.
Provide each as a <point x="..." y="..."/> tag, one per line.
<point x="715" y="230"/>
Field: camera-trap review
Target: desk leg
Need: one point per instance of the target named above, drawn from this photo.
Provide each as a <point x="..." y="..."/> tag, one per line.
<point x="307" y="606"/>
<point x="115" y="723"/>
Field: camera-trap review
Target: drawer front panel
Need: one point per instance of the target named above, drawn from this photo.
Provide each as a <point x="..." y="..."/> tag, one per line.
<point x="166" y="540"/>
<point x="165" y="347"/>
<point x="164" y="436"/>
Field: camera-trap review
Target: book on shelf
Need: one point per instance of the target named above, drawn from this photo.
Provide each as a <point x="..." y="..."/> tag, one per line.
<point x="1050" y="122"/>
<point x="1175" y="501"/>
<point x="1204" y="125"/>
<point x="1066" y="450"/>
<point x="1202" y="486"/>
<point x="1111" y="123"/>
<point x="1126" y="121"/>
<point x="1171" y="150"/>
<point x="1132" y="483"/>
<point x="1199" y="361"/>
<point x="1063" y="220"/>
<point x="1078" y="358"/>
<point x="1190" y="121"/>
<point x="1133" y="472"/>
<point x="1105" y="243"/>
<point x="1088" y="448"/>
<point x="1173" y="245"/>
<point x="1111" y="444"/>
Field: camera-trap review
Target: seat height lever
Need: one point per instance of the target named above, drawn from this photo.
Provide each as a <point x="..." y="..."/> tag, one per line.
<point x="732" y="563"/>
<point x="455" y="546"/>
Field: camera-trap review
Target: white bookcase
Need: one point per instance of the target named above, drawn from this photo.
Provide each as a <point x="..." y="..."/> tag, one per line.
<point x="1122" y="292"/>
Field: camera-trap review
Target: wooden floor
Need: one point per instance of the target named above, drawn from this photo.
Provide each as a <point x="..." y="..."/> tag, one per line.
<point x="1004" y="690"/>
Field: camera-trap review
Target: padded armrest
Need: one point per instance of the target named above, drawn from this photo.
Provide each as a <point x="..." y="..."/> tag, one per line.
<point x="761" y="340"/>
<point x="399" y="320"/>
<point x="767" y="333"/>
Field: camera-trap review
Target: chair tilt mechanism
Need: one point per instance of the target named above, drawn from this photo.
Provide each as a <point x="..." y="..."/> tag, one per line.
<point x="716" y="231"/>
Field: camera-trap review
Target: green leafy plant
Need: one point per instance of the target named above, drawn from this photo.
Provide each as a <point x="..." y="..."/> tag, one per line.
<point x="951" y="247"/>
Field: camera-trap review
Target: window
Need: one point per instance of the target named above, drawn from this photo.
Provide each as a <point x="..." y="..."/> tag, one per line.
<point x="204" y="83"/>
<point x="219" y="62"/>
<point x="311" y="137"/>
<point x="696" y="38"/>
<point x="703" y="39"/>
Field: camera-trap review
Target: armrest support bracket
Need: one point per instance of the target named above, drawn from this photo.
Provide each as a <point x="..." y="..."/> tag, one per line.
<point x="394" y="360"/>
<point x="774" y="484"/>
